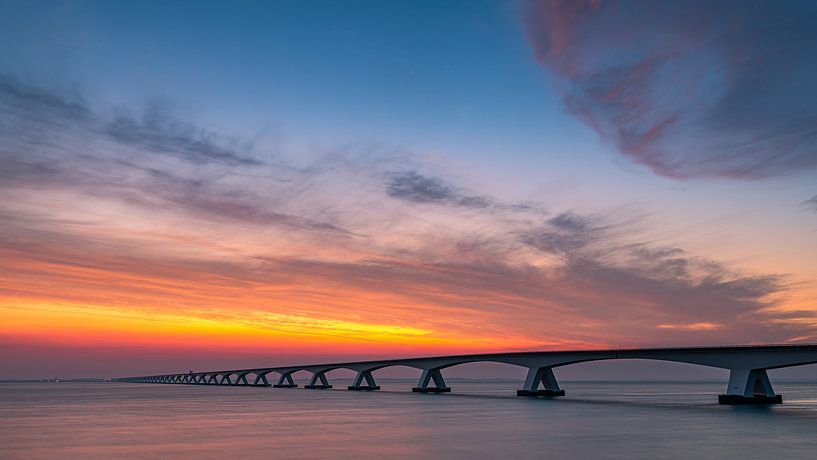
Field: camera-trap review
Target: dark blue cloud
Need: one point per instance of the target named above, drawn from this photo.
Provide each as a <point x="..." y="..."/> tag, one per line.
<point x="160" y="133"/>
<point x="811" y="203"/>
<point x="415" y="187"/>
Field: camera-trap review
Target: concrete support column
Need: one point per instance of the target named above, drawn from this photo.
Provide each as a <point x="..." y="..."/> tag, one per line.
<point x="540" y="376"/>
<point x="242" y="378"/>
<point x="370" y="384"/>
<point x="318" y="381"/>
<point x="285" y="381"/>
<point x="261" y="379"/>
<point x="226" y="379"/>
<point x="431" y="375"/>
<point x="749" y="386"/>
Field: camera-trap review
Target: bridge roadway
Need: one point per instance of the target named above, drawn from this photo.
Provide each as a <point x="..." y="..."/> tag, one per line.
<point x="748" y="380"/>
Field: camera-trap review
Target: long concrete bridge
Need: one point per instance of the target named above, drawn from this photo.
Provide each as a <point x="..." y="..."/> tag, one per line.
<point x="748" y="381"/>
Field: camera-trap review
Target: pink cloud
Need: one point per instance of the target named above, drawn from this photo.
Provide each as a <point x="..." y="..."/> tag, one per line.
<point x="689" y="89"/>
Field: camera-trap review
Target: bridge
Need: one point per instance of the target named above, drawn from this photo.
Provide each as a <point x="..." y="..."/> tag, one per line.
<point x="747" y="365"/>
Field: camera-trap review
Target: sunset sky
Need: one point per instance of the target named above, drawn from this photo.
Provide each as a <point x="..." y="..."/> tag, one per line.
<point x="206" y="184"/>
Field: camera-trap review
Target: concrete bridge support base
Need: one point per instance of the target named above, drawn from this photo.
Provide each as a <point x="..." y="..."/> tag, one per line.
<point x="431" y="390"/>
<point x="285" y="382"/>
<point x="358" y="383"/>
<point x="749" y="386"/>
<point x="754" y="399"/>
<point x="431" y="375"/>
<point x="541" y="393"/>
<point x="543" y="376"/>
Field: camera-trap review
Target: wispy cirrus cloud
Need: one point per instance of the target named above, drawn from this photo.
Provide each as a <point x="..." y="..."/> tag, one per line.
<point x="52" y="142"/>
<point x="594" y="295"/>
<point x="169" y="219"/>
<point x="689" y="89"/>
<point x="413" y="186"/>
<point x="156" y="131"/>
<point x="811" y="203"/>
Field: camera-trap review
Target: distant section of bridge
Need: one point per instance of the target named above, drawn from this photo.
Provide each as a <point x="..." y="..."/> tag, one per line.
<point x="748" y="381"/>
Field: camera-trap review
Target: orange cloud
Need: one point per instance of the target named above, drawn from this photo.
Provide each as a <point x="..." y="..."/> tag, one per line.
<point x="691" y="326"/>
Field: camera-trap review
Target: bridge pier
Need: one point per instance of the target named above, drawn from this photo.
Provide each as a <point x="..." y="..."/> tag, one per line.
<point x="358" y="383"/>
<point x="428" y="376"/>
<point x="318" y="377"/>
<point x="285" y="381"/>
<point x="543" y="376"/>
<point x="242" y="378"/>
<point x="749" y="386"/>
<point x="261" y="379"/>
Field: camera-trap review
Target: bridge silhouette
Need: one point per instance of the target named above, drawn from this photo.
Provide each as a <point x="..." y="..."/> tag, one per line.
<point x="748" y="381"/>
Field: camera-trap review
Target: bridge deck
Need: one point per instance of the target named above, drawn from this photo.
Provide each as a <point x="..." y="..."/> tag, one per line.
<point x="748" y="382"/>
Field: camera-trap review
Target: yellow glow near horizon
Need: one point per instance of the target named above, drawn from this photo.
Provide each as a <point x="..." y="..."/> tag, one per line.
<point x="70" y="322"/>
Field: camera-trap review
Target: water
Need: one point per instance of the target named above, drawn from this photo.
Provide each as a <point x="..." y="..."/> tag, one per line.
<point x="480" y="419"/>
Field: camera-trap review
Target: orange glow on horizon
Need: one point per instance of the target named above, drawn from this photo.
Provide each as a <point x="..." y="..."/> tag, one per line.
<point x="69" y="323"/>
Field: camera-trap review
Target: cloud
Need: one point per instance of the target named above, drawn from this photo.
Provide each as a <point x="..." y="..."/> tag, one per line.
<point x="152" y="221"/>
<point x="49" y="140"/>
<point x="564" y="234"/>
<point x="412" y="186"/>
<point x="596" y="294"/>
<point x="635" y="287"/>
<point x="811" y="203"/>
<point x="689" y="89"/>
<point x="691" y="326"/>
<point x="39" y="117"/>
<point x="160" y="133"/>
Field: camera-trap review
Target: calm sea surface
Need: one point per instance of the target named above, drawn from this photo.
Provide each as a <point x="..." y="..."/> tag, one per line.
<point x="480" y="419"/>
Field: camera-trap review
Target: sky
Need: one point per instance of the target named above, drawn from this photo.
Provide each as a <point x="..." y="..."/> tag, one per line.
<point x="208" y="185"/>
